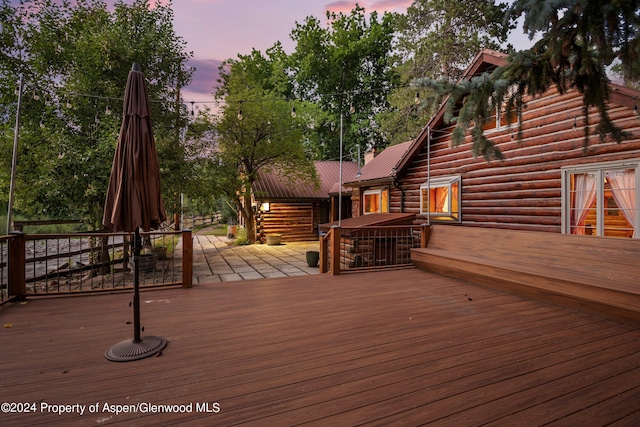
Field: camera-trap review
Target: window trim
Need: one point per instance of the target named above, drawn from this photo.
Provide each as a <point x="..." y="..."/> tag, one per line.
<point x="443" y="181"/>
<point x="598" y="169"/>
<point x="500" y="122"/>
<point x="379" y="192"/>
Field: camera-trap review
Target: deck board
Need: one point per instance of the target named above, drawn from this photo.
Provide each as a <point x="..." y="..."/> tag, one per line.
<point x="403" y="347"/>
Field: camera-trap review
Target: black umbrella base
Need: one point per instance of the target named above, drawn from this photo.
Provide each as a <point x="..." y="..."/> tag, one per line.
<point x="128" y="350"/>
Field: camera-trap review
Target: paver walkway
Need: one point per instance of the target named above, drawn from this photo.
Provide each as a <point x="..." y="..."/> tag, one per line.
<point x="216" y="260"/>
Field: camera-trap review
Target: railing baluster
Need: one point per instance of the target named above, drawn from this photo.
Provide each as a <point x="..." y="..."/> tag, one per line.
<point x="377" y="247"/>
<point x="4" y="287"/>
<point x="33" y="263"/>
<point x="86" y="258"/>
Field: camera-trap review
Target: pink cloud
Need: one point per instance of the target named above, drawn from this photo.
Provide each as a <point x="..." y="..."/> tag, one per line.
<point x="345" y="6"/>
<point x="391" y="5"/>
<point x="341" y="6"/>
<point x="154" y="3"/>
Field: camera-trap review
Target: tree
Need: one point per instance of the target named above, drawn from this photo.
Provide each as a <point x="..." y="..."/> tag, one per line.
<point x="345" y="68"/>
<point x="579" y="41"/>
<point x="436" y="39"/>
<point x="256" y="129"/>
<point x="201" y="183"/>
<point x="631" y="82"/>
<point x="75" y="64"/>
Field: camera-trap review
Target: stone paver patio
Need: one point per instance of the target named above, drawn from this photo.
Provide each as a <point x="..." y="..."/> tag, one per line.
<point x="215" y="259"/>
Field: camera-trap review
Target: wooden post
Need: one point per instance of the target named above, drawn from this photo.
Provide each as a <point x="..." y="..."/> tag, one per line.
<point x="334" y="267"/>
<point x="187" y="258"/>
<point x="324" y="247"/>
<point x="176" y="221"/>
<point x="17" y="276"/>
<point x="425" y="233"/>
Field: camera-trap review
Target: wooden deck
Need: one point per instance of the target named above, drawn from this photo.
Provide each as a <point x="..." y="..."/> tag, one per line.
<point x="403" y="347"/>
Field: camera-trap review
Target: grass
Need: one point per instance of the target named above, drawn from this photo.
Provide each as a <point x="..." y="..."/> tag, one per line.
<point x="241" y="236"/>
<point x="220" y="230"/>
<point x="41" y="229"/>
<point x="167" y="242"/>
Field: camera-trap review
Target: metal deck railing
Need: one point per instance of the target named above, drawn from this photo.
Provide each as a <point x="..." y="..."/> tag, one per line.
<point x="363" y="248"/>
<point x="50" y="264"/>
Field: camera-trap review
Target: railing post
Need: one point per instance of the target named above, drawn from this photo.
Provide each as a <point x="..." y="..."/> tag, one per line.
<point x="334" y="267"/>
<point x="425" y="233"/>
<point x="17" y="276"/>
<point x="176" y="221"/>
<point x="187" y="258"/>
<point x="324" y="247"/>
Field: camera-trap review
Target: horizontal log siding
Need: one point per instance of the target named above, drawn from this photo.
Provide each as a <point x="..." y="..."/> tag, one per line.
<point x="294" y="221"/>
<point x="395" y="200"/>
<point x="524" y="190"/>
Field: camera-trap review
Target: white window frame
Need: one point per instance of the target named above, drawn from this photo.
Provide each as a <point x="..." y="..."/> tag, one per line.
<point x="599" y="169"/>
<point x="379" y="192"/>
<point x="499" y="125"/>
<point x="442" y="181"/>
<point x="500" y="114"/>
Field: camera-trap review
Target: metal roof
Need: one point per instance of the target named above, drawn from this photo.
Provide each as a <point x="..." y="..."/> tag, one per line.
<point x="383" y="165"/>
<point x="372" y="220"/>
<point x="273" y="185"/>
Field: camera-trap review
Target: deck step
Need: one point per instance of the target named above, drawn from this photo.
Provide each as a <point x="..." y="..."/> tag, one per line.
<point x="594" y="275"/>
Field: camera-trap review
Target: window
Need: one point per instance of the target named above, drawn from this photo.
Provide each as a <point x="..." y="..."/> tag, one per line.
<point x="375" y="201"/>
<point x="440" y="198"/>
<point x="601" y="199"/>
<point x="500" y="121"/>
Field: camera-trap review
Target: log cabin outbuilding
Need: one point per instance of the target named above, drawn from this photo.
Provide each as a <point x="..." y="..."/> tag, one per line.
<point x="548" y="180"/>
<point x="294" y="210"/>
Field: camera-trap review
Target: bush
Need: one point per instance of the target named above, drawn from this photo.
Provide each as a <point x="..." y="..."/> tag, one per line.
<point x="241" y="237"/>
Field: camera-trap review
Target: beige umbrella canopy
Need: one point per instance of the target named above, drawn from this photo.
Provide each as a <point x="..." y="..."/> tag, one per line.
<point x="133" y="200"/>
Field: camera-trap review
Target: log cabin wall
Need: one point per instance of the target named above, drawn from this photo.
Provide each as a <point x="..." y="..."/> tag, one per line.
<point x="396" y="203"/>
<point x="524" y="190"/>
<point x="295" y="221"/>
<point x="355" y="202"/>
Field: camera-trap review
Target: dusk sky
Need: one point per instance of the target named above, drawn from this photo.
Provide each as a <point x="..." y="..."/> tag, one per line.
<point x="219" y="29"/>
<point x="216" y="30"/>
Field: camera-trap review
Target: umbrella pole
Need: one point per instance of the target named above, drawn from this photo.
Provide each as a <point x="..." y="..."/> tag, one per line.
<point x="138" y="347"/>
<point x="136" y="285"/>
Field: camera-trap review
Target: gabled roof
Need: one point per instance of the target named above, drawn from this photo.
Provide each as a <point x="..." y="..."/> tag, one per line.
<point x="485" y="61"/>
<point x="272" y="185"/>
<point x="623" y="95"/>
<point x="335" y="189"/>
<point x="383" y="166"/>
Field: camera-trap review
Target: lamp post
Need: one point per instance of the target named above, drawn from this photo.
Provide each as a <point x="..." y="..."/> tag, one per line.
<point x="340" y="189"/>
<point x="14" y="158"/>
<point x="356" y="157"/>
<point x="352" y="109"/>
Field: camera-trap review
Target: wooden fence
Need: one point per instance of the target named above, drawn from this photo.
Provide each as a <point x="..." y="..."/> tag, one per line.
<point x="188" y="221"/>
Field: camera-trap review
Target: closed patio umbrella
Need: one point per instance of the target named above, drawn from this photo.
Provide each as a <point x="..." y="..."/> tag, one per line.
<point x="133" y="200"/>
